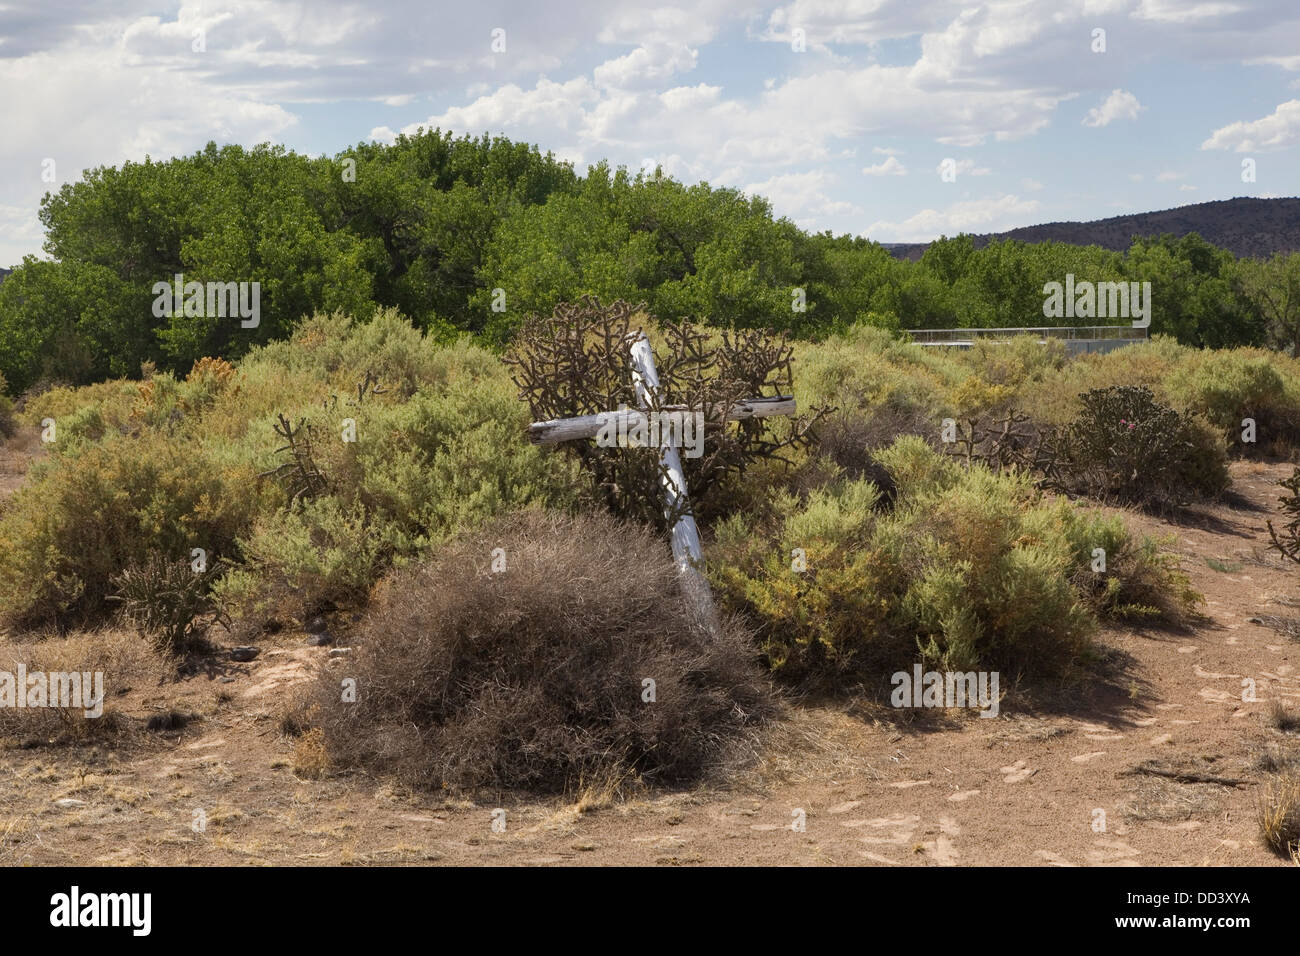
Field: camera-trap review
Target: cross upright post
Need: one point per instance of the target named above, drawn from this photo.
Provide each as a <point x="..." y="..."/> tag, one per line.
<point x="685" y="533"/>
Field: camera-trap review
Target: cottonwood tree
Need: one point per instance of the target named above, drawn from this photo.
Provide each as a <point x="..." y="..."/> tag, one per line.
<point x="1273" y="285"/>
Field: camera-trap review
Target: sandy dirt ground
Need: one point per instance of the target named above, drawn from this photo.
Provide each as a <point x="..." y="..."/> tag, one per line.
<point x="1159" y="764"/>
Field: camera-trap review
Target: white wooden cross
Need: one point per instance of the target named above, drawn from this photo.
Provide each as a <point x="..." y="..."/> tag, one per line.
<point x="685" y="533"/>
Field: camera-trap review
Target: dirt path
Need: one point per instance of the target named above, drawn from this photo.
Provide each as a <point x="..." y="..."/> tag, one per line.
<point x="1021" y="789"/>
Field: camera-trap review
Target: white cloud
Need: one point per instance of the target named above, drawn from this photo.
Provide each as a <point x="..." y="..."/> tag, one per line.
<point x="1180" y="11"/>
<point x="1279" y="129"/>
<point x="1285" y="62"/>
<point x="1119" y="105"/>
<point x="92" y="83"/>
<point x="20" y="224"/>
<point x="802" y="195"/>
<point x="554" y="106"/>
<point x="890" y="167"/>
<point x="1169" y="176"/>
<point x="855" y="21"/>
<point x="693" y="24"/>
<point x="646" y="66"/>
<point x="91" y="110"/>
<point x="994" y="214"/>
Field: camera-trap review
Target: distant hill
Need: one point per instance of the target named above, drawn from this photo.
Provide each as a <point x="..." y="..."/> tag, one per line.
<point x="1246" y="227"/>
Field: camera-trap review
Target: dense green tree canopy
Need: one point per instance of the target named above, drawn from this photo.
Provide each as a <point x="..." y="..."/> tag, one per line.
<point x="472" y="234"/>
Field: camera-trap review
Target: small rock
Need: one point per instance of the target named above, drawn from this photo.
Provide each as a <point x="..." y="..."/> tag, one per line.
<point x="316" y="625"/>
<point x="68" y="803"/>
<point x="340" y="651"/>
<point x="244" y="654"/>
<point x="225" y="680"/>
<point x="320" y="640"/>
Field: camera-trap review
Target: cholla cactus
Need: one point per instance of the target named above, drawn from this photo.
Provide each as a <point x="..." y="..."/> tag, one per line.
<point x="1288" y="540"/>
<point x="575" y="362"/>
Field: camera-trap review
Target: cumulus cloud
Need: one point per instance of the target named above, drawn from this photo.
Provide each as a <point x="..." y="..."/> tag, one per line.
<point x="616" y="79"/>
<point x="1180" y="11"/>
<point x="1279" y="129"/>
<point x="646" y="66"/>
<point x="800" y="195"/>
<point x="855" y="21"/>
<point x="890" y="167"/>
<point x="1119" y="105"/>
<point x="993" y="214"/>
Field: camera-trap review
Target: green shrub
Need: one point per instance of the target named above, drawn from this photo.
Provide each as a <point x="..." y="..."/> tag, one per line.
<point x="445" y="460"/>
<point x="823" y="595"/>
<point x="157" y="465"/>
<point x="1015" y="363"/>
<point x="989" y="577"/>
<point x="968" y="569"/>
<point x="1054" y="400"/>
<point x="1227" y="387"/>
<point x="916" y="468"/>
<point x="81" y="415"/>
<point x="85" y="518"/>
<point x="8" y="424"/>
<point x="296" y="562"/>
<point x="1130" y="580"/>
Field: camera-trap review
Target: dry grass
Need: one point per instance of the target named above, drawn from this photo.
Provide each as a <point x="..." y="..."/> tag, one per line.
<point x="1286" y="626"/>
<point x="1275" y="758"/>
<point x="536" y="677"/>
<point x="815" y="743"/>
<point x="1283" y="717"/>
<point x="1167" y="801"/>
<point x="310" y="758"/>
<point x="1279" y="815"/>
<point x="121" y="656"/>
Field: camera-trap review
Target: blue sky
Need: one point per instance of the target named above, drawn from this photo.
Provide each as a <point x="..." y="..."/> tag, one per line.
<point x="845" y="133"/>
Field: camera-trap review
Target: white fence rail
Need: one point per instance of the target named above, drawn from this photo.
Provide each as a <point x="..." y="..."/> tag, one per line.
<point x="1077" y="338"/>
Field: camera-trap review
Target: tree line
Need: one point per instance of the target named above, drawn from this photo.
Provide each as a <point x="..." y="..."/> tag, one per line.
<point x="472" y="234"/>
